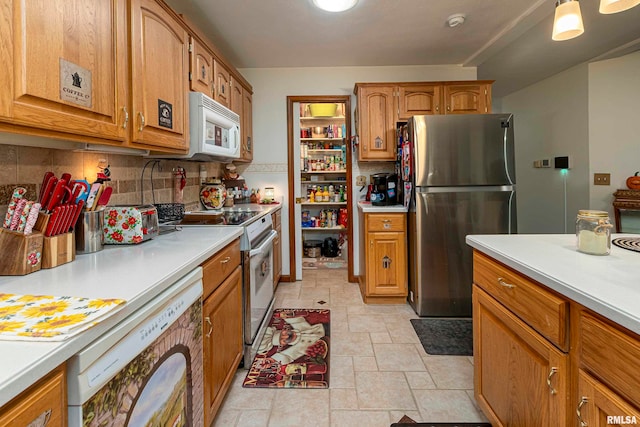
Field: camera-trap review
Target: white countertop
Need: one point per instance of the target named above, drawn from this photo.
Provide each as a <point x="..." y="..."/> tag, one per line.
<point x="136" y="273"/>
<point x="367" y="207"/>
<point x="608" y="285"/>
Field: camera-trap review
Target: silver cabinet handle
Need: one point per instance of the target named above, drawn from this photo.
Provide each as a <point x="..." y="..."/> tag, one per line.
<point x="141" y="121"/>
<point x="126" y="117"/>
<point x="583" y="400"/>
<point x="226" y="260"/>
<point x="208" y="320"/>
<point x="437" y="108"/>
<point x="505" y="284"/>
<point x="551" y="374"/>
<point x="386" y="220"/>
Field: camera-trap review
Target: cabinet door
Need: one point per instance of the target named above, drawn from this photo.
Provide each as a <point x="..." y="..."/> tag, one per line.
<point x="223" y="84"/>
<point x="63" y="66"/>
<point x="160" y="83"/>
<point x="386" y="264"/>
<point x="520" y="378"/>
<point x="376" y="123"/>
<point x="246" y="148"/>
<point x="416" y="100"/>
<point x="222" y="329"/>
<point x="200" y="68"/>
<point x="467" y="98"/>
<point x="599" y="406"/>
<point x="44" y="404"/>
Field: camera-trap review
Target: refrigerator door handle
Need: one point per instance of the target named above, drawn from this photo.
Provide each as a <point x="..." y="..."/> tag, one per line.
<point x="468" y="189"/>
<point x="505" y="139"/>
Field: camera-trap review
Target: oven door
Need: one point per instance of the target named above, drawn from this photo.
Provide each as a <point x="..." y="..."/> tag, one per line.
<point x="260" y="283"/>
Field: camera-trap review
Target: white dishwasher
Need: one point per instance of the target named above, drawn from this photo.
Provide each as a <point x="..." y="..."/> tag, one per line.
<point x="147" y="370"/>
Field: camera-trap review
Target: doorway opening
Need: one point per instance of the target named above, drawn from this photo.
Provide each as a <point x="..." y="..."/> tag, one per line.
<point x="320" y="184"/>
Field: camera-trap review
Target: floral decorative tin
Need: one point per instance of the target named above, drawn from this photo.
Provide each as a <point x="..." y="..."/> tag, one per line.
<point x="129" y="224"/>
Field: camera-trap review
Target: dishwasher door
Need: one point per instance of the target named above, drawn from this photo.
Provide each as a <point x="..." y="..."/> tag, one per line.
<point x="149" y="367"/>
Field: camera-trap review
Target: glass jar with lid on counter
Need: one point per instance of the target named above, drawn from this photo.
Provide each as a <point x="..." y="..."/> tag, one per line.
<point x="593" y="232"/>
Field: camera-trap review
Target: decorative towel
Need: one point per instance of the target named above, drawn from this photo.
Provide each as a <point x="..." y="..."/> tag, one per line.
<point x="50" y="318"/>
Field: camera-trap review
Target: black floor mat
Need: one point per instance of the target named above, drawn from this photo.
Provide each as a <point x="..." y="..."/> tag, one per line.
<point x="445" y="336"/>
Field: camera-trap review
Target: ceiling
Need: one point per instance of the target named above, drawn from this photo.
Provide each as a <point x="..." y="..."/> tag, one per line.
<point x="508" y="40"/>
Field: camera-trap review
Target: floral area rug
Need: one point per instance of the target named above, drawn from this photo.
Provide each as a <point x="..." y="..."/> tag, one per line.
<point x="294" y="352"/>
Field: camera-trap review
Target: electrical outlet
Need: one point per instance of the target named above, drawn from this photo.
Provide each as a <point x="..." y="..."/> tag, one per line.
<point x="601" y="179"/>
<point x="361" y="180"/>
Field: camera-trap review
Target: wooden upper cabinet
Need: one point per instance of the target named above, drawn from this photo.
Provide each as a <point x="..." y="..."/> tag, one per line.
<point x="241" y="103"/>
<point x="377" y="123"/>
<point x="222" y="84"/>
<point x="246" y="147"/>
<point x="160" y="84"/>
<point x="467" y="98"/>
<point x="417" y="100"/>
<point x="63" y="66"/>
<point x="200" y="68"/>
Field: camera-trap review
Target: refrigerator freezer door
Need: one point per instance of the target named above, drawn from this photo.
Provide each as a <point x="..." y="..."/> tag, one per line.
<point x="473" y="149"/>
<point x="440" y="262"/>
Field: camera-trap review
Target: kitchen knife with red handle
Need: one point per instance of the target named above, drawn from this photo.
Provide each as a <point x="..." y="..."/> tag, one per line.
<point x="75" y="215"/>
<point x="58" y="194"/>
<point x="45" y="193"/>
<point x="45" y="182"/>
<point x="52" y="221"/>
<point x="57" y="227"/>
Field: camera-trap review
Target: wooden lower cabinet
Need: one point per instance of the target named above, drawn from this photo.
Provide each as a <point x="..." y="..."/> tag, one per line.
<point x="44" y="404"/>
<point x="520" y="378"/>
<point x="277" y="247"/>
<point x="383" y="275"/>
<point x="221" y="325"/>
<point x="535" y="370"/>
<point x="599" y="406"/>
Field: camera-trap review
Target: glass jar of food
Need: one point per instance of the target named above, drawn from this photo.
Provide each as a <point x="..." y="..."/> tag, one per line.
<point x="593" y="232"/>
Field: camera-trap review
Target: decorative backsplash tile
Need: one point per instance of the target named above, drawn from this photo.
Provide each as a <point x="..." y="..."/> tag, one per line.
<point x="25" y="166"/>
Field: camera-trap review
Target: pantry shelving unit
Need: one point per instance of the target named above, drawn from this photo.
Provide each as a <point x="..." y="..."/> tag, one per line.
<point x="320" y="147"/>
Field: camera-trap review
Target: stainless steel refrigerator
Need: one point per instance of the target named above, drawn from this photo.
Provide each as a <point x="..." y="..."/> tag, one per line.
<point x="458" y="178"/>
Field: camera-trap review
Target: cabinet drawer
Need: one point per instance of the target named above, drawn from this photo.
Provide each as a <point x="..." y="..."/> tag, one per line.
<point x="386" y="222"/>
<point x="45" y="402"/>
<point x="611" y="354"/>
<point x="542" y="310"/>
<point x="218" y="267"/>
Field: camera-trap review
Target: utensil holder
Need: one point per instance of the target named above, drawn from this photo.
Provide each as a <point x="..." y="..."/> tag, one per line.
<point x="89" y="234"/>
<point x="21" y="253"/>
<point x="58" y="250"/>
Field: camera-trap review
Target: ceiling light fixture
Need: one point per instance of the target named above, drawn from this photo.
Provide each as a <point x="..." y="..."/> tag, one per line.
<point x="567" y="22"/>
<point x="615" y="6"/>
<point x="455" y="20"/>
<point x="335" y="5"/>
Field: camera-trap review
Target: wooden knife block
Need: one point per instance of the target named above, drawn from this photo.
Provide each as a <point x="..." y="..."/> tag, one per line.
<point x="21" y="254"/>
<point x="58" y="250"/>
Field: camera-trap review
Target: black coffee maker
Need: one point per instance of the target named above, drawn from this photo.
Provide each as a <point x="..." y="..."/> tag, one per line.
<point x="385" y="190"/>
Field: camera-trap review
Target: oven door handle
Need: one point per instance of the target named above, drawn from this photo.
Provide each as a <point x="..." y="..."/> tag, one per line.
<point x="265" y="244"/>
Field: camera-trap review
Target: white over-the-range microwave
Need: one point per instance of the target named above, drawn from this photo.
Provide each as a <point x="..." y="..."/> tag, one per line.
<point x="214" y="131"/>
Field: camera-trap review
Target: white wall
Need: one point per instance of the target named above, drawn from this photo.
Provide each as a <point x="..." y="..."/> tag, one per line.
<point x="614" y="125"/>
<point x="589" y="112"/>
<point x="271" y="86"/>
<point x="551" y="119"/>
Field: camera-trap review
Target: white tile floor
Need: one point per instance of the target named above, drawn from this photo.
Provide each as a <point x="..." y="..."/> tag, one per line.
<point x="378" y="369"/>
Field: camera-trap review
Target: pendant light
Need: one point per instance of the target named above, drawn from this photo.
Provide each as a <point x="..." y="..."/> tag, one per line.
<point x="335" y="5"/>
<point x="615" y="6"/>
<point x="567" y="22"/>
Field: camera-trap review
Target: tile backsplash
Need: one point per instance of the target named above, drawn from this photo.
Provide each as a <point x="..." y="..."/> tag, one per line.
<point x="25" y="167"/>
